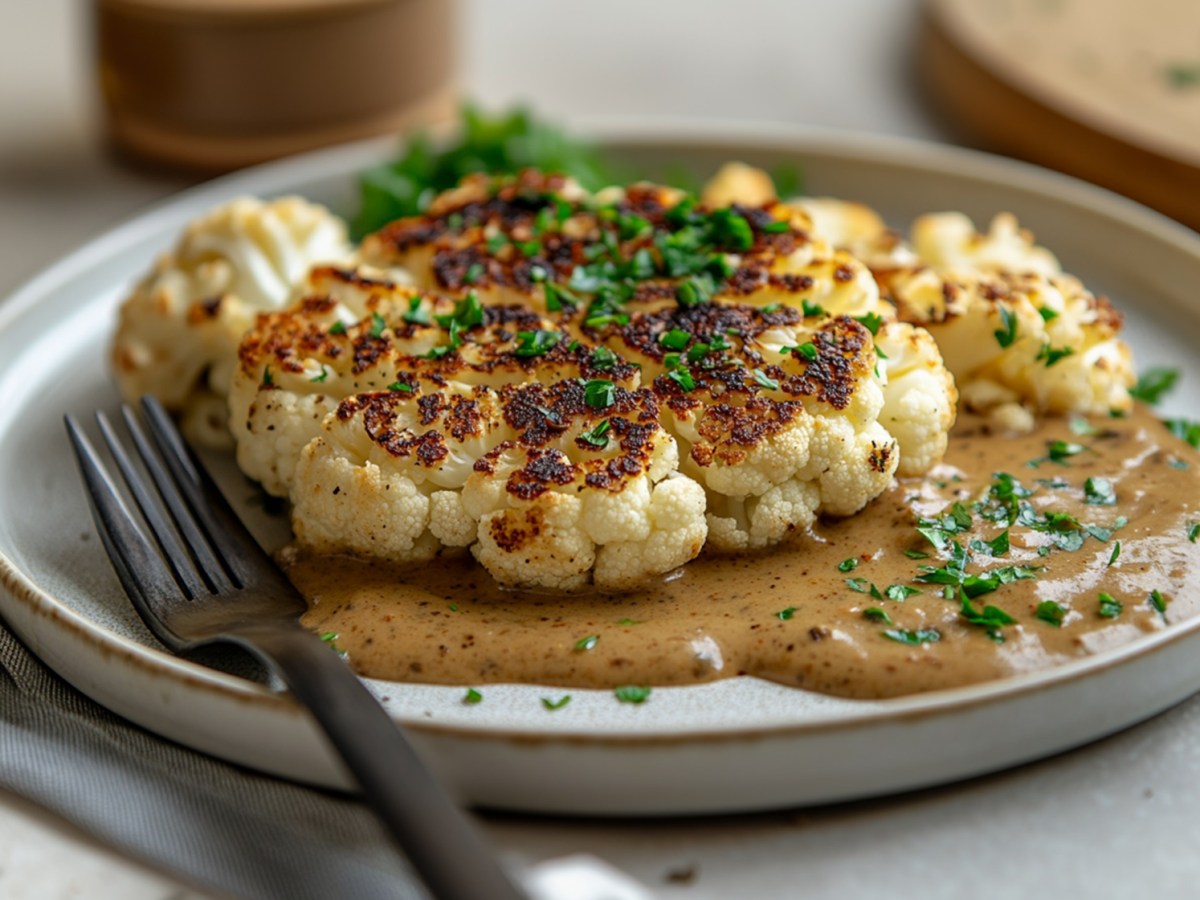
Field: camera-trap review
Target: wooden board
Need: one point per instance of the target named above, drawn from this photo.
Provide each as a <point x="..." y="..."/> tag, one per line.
<point x="1108" y="90"/>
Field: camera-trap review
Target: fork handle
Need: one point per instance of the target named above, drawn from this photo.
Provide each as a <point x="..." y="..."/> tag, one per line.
<point x="434" y="834"/>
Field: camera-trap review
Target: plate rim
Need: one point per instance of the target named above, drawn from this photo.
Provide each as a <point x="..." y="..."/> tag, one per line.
<point x="274" y="177"/>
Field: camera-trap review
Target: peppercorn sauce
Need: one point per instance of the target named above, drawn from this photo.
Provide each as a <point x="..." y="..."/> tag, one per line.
<point x="1101" y="550"/>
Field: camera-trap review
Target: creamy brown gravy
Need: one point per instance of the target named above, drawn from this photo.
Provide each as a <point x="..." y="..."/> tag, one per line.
<point x="447" y="622"/>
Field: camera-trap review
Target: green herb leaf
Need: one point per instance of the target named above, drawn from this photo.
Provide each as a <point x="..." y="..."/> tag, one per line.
<point x="1099" y="492"/>
<point x="900" y="592"/>
<point x="913" y="638"/>
<point x="627" y="621"/>
<point x="598" y="436"/>
<point x="337" y="328"/>
<point x="556" y="704"/>
<point x="632" y="693"/>
<point x="1153" y="384"/>
<point x="1116" y="553"/>
<point x="848" y="565"/>
<point x="1159" y="602"/>
<point x="378" y="324"/>
<point x="1184" y="429"/>
<point x="675" y="339"/>
<point x="318" y="379"/>
<point x="599" y="394"/>
<point x="683" y="378"/>
<point x="535" y="343"/>
<point x="472" y="696"/>
<point x="1052" y="355"/>
<point x="810" y="309"/>
<point x="1051" y="613"/>
<point x="1110" y="607"/>
<point x="858" y="584"/>
<point x="1047" y="314"/>
<point x="587" y="643"/>
<point x="603" y="358"/>
<point x="400" y="387"/>
<point x="1008" y="332"/>
<point x="765" y="381"/>
<point x="877" y="614"/>
<point x="785" y="614"/>
<point x="808" y="351"/>
<point x="871" y="321"/>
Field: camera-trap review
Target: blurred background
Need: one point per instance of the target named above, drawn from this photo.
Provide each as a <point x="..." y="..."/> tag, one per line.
<point x="1104" y="88"/>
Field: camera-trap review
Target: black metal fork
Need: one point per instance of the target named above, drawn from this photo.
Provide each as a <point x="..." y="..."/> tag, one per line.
<point x="197" y="576"/>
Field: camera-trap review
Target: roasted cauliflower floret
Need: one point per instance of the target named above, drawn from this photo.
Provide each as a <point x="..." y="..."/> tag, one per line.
<point x="548" y="490"/>
<point x="539" y="240"/>
<point x="1020" y="336"/>
<point x="179" y="330"/>
<point x="356" y="333"/>
<point x="776" y="416"/>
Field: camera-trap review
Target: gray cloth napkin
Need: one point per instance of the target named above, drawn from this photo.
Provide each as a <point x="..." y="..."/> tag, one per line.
<point x="225" y="828"/>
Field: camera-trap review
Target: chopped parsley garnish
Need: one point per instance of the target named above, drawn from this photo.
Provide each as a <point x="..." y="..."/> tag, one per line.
<point x="1099" y="492"/>
<point x="913" y="638"/>
<point x="1159" y="602"/>
<point x="954" y="574"/>
<point x="267" y="378"/>
<point x="416" y="315"/>
<point x="1153" y="383"/>
<point x="675" y="339"/>
<point x="900" y="592"/>
<point x="627" y="621"/>
<point x="599" y="394"/>
<point x="632" y="693"/>
<point x="695" y="291"/>
<point x="1051" y="613"/>
<point x="877" y="614"/>
<point x="785" y="614"/>
<point x="808" y="351"/>
<point x="503" y="143"/>
<point x="603" y="358"/>
<point x="318" y="379"/>
<point x="378" y="323"/>
<point x="472" y="696"/>
<point x="1059" y="452"/>
<point x="998" y="546"/>
<point x="1047" y="314"/>
<point x="473" y="274"/>
<point x="1051" y="355"/>
<point x="1181" y="75"/>
<point x="1082" y="427"/>
<point x="1110" y="607"/>
<point x="810" y="309"/>
<point x="535" y="343"/>
<point x="1184" y="429"/>
<point x="1193" y="531"/>
<point x="848" y="565"/>
<point x="558" y="297"/>
<point x="400" y="386"/>
<point x="1008" y="333"/>
<point x="556" y="704"/>
<point x="765" y="380"/>
<point x="990" y="618"/>
<point x="598" y="436"/>
<point x="1116" y="553"/>
<point x="871" y="321"/>
<point x="859" y="584"/>
<point x="916" y="554"/>
<point x="337" y="328"/>
<point x="587" y="643"/>
<point x="683" y="378"/>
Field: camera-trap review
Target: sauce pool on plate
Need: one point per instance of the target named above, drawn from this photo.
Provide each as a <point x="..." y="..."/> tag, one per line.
<point x="1017" y="553"/>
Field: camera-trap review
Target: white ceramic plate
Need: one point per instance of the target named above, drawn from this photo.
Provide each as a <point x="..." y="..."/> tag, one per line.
<point x="739" y="744"/>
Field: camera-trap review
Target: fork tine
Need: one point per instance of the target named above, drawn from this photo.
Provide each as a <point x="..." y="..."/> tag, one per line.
<point x="140" y="568"/>
<point x="197" y="544"/>
<point x="229" y="536"/>
<point x="163" y="534"/>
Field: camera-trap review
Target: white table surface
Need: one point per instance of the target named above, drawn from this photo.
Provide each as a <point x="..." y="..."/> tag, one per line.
<point x="1117" y="819"/>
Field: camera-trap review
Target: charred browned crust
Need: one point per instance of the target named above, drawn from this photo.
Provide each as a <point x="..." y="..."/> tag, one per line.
<point x="509" y="235"/>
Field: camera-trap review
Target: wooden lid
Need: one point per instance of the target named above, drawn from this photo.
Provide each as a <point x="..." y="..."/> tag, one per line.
<point x="1106" y="89"/>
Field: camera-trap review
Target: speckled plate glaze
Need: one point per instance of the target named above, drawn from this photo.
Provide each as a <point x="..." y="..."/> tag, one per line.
<point x="739" y="744"/>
